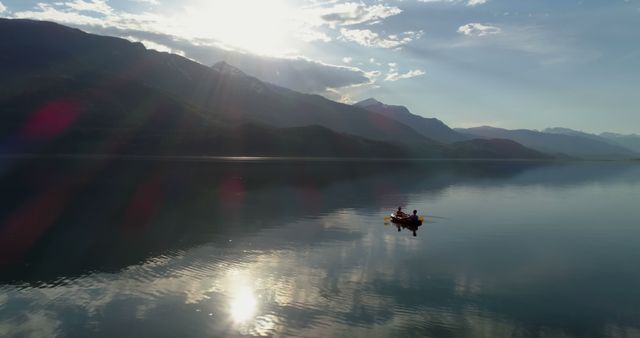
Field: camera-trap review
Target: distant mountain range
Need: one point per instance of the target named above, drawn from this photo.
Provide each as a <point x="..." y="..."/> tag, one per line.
<point x="630" y="142"/>
<point x="66" y="91"/>
<point x="564" y="144"/>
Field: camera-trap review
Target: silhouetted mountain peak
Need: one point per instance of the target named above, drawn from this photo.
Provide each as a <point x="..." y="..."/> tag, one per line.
<point x="567" y="131"/>
<point x="429" y="127"/>
<point x="377" y="106"/>
<point x="224" y="68"/>
<point x="368" y="102"/>
<point x="480" y="128"/>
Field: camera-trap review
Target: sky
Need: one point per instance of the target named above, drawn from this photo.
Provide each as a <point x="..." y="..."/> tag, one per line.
<point x="506" y="63"/>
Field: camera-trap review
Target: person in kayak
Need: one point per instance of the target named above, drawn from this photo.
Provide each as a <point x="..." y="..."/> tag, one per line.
<point x="414" y="217"/>
<point x="400" y="213"/>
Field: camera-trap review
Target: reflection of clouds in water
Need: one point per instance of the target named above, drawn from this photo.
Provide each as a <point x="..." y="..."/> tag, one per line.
<point x="258" y="290"/>
<point x="33" y="324"/>
<point x="613" y="330"/>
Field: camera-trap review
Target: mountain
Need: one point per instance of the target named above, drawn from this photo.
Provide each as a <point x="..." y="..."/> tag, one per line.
<point x="630" y="142"/>
<point x="571" y="132"/>
<point x="458" y="145"/>
<point x="495" y="149"/>
<point x="429" y="127"/>
<point x="40" y="51"/>
<point x="127" y="118"/>
<point x="66" y="91"/>
<point x="555" y="144"/>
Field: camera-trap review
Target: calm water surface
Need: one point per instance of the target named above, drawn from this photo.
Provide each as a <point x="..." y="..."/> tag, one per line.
<point x="124" y="248"/>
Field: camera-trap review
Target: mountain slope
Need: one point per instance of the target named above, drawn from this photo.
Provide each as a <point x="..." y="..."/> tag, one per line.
<point x="630" y="142"/>
<point x="494" y="148"/>
<point x="429" y="127"/>
<point x="555" y="144"/>
<point x="128" y="118"/>
<point x="40" y="51"/>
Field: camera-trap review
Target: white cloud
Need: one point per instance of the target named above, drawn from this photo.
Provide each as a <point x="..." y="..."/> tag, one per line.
<point x="3" y="8"/>
<point x="44" y="11"/>
<point x="476" y="2"/>
<point x="150" y="2"/>
<point x="352" y="13"/>
<point x="160" y="33"/>
<point x="369" y="38"/>
<point x="393" y="75"/>
<point x="548" y="47"/>
<point x="478" y="29"/>
<point x="269" y="29"/>
<point x="194" y="33"/>
<point x="347" y="59"/>
<point x="309" y="35"/>
<point x="470" y="3"/>
<point x="97" y="6"/>
<point x="155" y="46"/>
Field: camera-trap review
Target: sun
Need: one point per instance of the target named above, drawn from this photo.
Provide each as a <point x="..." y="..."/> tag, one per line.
<point x="257" y="26"/>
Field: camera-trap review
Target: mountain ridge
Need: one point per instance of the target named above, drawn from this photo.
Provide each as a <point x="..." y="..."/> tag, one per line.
<point x="554" y="144"/>
<point x="428" y="127"/>
<point x="104" y="94"/>
<point x="630" y="142"/>
<point x="227" y="95"/>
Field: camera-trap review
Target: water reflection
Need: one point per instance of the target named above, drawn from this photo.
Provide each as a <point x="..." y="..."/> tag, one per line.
<point x="243" y="304"/>
<point x="413" y="228"/>
<point x="300" y="252"/>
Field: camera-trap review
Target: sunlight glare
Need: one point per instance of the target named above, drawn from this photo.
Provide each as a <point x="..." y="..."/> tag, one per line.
<point x="243" y="305"/>
<point x="257" y="26"/>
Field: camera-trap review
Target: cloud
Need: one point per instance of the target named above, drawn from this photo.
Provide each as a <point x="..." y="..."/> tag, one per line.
<point x="269" y="28"/>
<point x="74" y="13"/>
<point x="478" y="29"/>
<point x="298" y="73"/>
<point x="3" y="8"/>
<point x="97" y="6"/>
<point x="393" y="75"/>
<point x="174" y="34"/>
<point x="310" y="35"/>
<point x="44" y="11"/>
<point x="369" y="38"/>
<point x="150" y="2"/>
<point x="470" y="3"/>
<point x="352" y="13"/>
<point x="538" y="43"/>
<point x="148" y="44"/>
<point x="302" y="74"/>
<point x="476" y="2"/>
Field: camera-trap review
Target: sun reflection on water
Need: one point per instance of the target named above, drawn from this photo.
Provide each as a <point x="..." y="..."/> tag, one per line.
<point x="244" y="304"/>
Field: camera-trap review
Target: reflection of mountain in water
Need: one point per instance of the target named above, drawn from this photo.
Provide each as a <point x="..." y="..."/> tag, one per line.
<point x="61" y="217"/>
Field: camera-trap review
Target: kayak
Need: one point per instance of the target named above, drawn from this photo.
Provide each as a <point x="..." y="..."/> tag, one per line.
<point x="405" y="220"/>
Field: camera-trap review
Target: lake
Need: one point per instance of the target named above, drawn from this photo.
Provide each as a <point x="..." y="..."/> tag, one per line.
<point x="98" y="247"/>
